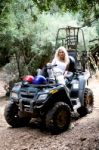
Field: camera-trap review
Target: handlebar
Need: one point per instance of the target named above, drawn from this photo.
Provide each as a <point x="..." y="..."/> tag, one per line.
<point x="50" y="66"/>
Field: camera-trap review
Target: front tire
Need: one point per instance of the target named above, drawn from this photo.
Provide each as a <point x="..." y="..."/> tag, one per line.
<point x="12" y="117"/>
<point x="58" y="118"/>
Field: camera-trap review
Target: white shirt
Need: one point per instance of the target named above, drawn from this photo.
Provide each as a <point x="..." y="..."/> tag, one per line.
<point x="60" y="65"/>
<point x="58" y="70"/>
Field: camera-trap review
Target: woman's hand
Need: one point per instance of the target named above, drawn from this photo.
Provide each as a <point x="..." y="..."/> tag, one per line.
<point x="65" y="74"/>
<point x="49" y="64"/>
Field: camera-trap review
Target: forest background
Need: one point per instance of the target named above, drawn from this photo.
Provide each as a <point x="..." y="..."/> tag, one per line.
<point x="28" y="30"/>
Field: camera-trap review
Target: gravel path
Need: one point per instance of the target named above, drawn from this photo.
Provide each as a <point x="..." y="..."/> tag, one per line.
<point x="83" y="136"/>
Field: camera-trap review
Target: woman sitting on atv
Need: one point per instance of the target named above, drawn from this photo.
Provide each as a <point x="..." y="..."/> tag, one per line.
<point x="59" y="65"/>
<point x="60" y="62"/>
<point x="61" y="59"/>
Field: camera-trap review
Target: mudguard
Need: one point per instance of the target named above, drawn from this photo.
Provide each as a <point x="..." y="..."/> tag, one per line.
<point x="57" y="95"/>
<point x="82" y="83"/>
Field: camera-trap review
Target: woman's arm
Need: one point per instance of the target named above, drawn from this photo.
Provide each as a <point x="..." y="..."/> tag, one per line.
<point x="53" y="62"/>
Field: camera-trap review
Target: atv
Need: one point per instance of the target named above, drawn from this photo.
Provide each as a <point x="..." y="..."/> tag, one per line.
<point x="54" y="103"/>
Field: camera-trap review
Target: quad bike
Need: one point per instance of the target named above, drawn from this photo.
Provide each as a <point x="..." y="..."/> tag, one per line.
<point x="50" y="100"/>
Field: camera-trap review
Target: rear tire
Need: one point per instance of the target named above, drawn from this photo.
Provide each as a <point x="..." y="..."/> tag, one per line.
<point x="89" y="100"/>
<point x="12" y="117"/>
<point x="58" y="118"/>
<point x="88" y="103"/>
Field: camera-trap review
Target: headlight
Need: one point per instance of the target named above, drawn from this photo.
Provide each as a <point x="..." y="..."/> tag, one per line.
<point x="14" y="95"/>
<point x="42" y="97"/>
<point x="16" y="87"/>
<point x="75" y="86"/>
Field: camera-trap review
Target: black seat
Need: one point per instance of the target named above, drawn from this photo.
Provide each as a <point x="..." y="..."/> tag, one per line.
<point x="73" y="53"/>
<point x="73" y="60"/>
<point x="72" y="64"/>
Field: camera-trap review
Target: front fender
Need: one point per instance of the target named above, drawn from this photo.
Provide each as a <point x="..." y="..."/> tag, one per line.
<point x="60" y="96"/>
<point x="82" y="83"/>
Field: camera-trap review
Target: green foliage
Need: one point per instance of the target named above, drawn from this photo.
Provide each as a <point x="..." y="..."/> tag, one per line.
<point x="90" y="33"/>
<point x="29" y="33"/>
<point x="88" y="8"/>
<point x="97" y="27"/>
<point x="45" y="5"/>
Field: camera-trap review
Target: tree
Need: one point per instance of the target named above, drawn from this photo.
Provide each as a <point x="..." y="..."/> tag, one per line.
<point x="89" y="9"/>
<point x="28" y="28"/>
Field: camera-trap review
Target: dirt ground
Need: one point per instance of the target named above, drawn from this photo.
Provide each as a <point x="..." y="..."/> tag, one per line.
<point x="83" y="135"/>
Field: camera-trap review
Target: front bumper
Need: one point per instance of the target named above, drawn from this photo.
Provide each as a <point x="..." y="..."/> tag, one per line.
<point x="30" y="106"/>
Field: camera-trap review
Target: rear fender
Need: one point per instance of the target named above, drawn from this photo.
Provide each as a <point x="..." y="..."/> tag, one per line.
<point x="82" y="83"/>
